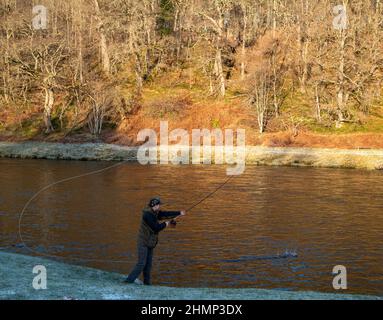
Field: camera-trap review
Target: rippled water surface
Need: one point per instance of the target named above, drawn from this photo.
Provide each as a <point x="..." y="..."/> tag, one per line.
<point x="329" y="216"/>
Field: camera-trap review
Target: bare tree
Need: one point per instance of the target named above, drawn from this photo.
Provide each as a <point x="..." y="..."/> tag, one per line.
<point x="261" y="49"/>
<point x="51" y="58"/>
<point x="103" y="42"/>
<point x="101" y="102"/>
<point x="217" y="16"/>
<point x="260" y="98"/>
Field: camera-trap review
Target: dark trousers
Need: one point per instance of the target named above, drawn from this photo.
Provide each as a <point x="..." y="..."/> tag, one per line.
<point x="144" y="264"/>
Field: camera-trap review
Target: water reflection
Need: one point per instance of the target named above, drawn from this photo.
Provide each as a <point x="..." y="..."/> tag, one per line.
<point x="329" y="216"/>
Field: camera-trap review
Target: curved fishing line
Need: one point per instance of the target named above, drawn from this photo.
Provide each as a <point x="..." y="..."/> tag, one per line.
<point x="44" y="189"/>
<point x="80" y="176"/>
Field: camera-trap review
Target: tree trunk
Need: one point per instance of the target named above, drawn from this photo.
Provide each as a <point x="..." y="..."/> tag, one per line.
<point x="303" y="44"/>
<point x="104" y="54"/>
<point x="48" y="106"/>
<point x="5" y="89"/>
<point x="317" y="104"/>
<point x="274" y="17"/>
<point x="303" y="51"/>
<point x="219" y="72"/>
<point x="275" y="94"/>
<point x="103" y="43"/>
<point x="80" y="44"/>
<point x="243" y="47"/>
<point x="6" y="74"/>
<point x="177" y="32"/>
<point x="80" y="59"/>
<point x="138" y="72"/>
<point x="340" y="94"/>
<point x="305" y="66"/>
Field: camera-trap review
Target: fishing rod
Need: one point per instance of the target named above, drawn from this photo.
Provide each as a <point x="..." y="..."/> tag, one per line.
<point x="210" y="194"/>
<point x="24" y="245"/>
<point x="173" y="221"/>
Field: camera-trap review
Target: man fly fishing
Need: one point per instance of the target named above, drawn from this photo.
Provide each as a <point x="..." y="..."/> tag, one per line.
<point x="148" y="238"/>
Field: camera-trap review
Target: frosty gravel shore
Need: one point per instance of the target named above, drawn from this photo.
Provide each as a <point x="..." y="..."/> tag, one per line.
<point x="370" y="159"/>
<point x="65" y="281"/>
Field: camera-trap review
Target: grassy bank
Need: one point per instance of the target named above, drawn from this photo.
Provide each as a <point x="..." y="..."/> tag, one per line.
<point x="66" y="281"/>
<point x="189" y="108"/>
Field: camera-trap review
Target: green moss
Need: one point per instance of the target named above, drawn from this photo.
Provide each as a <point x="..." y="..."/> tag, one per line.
<point x="27" y="129"/>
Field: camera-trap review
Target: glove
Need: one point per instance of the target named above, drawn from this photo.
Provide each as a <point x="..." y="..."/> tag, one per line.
<point x="173" y="223"/>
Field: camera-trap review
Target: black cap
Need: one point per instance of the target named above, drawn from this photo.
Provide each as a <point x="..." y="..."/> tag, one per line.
<point x="155" y="201"/>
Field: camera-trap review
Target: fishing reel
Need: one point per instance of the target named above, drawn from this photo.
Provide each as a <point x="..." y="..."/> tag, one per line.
<point x="173" y="223"/>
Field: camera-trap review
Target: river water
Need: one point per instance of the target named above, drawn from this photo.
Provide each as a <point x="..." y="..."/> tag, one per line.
<point x="328" y="216"/>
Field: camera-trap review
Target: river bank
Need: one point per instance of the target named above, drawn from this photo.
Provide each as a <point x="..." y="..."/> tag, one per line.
<point x="370" y="159"/>
<point x="66" y="281"/>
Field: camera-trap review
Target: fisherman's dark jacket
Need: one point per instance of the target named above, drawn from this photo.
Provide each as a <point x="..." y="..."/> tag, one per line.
<point x="151" y="226"/>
